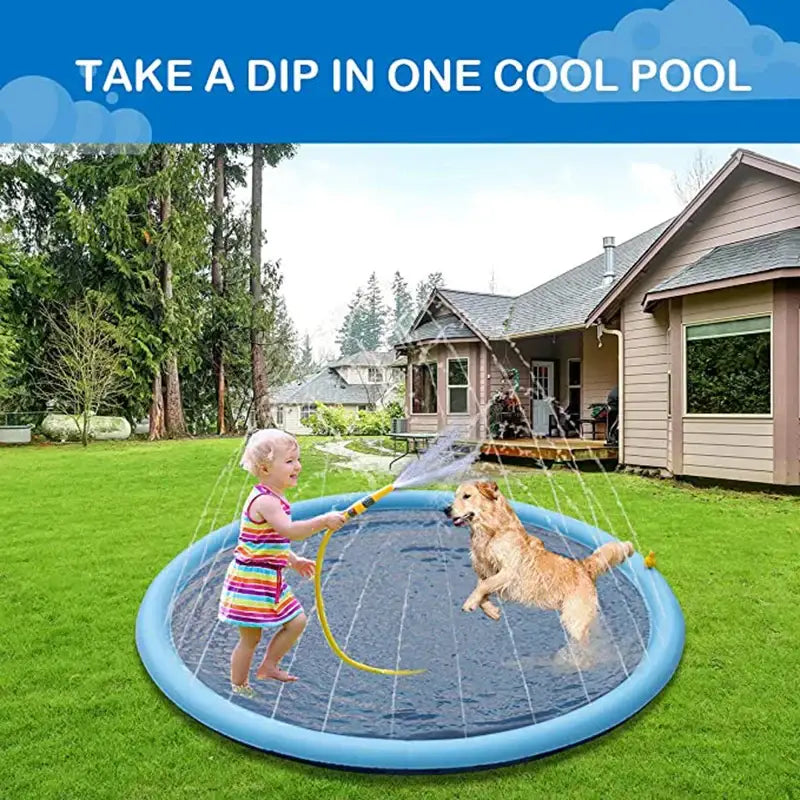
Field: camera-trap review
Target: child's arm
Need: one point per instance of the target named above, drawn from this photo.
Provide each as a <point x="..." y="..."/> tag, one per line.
<point x="271" y="511"/>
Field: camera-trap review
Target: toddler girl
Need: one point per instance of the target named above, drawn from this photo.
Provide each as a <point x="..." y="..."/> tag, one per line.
<point x="254" y="593"/>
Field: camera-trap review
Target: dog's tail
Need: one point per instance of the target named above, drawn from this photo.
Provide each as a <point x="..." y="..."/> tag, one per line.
<point x="606" y="557"/>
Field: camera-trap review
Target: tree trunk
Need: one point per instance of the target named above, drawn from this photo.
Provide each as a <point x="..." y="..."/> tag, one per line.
<point x="260" y="387"/>
<point x="174" y="420"/>
<point x="217" y="282"/>
<point x="157" y="430"/>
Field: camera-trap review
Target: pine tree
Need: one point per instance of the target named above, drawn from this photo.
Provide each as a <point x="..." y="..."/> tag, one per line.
<point x="306" y="365"/>
<point x="350" y="337"/>
<point x="435" y="280"/>
<point x="375" y="316"/>
<point x="403" y="312"/>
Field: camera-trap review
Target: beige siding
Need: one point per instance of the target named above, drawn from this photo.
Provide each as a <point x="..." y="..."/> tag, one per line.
<point x="731" y="448"/>
<point x="752" y="205"/>
<point x="644" y="412"/>
<point x="740" y="301"/>
<point x="598" y="368"/>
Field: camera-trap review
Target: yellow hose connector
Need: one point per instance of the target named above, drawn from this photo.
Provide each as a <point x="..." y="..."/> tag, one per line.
<point x="359" y="507"/>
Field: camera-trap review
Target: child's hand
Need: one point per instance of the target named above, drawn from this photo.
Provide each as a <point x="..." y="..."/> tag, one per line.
<point x="305" y="566"/>
<point x="334" y="520"/>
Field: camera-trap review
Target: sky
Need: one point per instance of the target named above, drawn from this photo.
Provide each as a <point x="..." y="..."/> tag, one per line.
<point x="518" y="214"/>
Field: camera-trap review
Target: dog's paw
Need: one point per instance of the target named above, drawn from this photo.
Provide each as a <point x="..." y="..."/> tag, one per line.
<point x="491" y="611"/>
<point x="470" y="604"/>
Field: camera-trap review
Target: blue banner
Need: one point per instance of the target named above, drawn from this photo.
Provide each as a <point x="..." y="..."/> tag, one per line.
<point x="688" y="70"/>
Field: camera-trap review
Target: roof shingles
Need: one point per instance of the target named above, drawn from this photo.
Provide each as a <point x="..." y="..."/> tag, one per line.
<point x="563" y="302"/>
<point x="765" y="253"/>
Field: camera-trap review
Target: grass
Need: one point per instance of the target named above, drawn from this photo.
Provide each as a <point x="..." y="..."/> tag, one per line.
<point x="85" y="531"/>
<point x="370" y="445"/>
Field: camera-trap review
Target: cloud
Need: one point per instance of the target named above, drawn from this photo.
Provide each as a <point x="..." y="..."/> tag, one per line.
<point x="37" y="109"/>
<point x="690" y="30"/>
<point x="653" y="180"/>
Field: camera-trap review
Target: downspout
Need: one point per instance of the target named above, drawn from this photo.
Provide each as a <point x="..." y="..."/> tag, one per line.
<point x="601" y="330"/>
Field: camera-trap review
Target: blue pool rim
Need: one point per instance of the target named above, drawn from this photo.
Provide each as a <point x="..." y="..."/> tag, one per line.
<point x="175" y="680"/>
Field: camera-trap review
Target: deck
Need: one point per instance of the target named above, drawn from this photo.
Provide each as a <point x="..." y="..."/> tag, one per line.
<point x="550" y="449"/>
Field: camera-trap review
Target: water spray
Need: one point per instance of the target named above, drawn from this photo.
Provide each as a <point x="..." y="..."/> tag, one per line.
<point x="435" y="465"/>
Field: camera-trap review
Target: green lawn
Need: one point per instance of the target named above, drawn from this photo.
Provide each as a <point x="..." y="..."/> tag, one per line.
<point x="85" y="531"/>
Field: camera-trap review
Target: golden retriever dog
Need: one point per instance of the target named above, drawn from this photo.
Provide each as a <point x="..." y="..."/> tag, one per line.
<point x="516" y="566"/>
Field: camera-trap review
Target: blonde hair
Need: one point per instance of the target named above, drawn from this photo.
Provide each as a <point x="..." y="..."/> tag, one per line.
<point x="262" y="446"/>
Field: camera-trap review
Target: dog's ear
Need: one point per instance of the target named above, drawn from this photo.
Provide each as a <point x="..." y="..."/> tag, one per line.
<point x="488" y="489"/>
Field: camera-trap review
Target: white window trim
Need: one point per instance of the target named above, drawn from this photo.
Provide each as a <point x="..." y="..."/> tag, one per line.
<point x="457" y="386"/>
<point x="578" y="385"/>
<point x="379" y="373"/>
<point x="411" y="386"/>
<point x="694" y="323"/>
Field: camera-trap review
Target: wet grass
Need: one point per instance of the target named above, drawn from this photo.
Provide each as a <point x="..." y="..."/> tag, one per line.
<point x="83" y="533"/>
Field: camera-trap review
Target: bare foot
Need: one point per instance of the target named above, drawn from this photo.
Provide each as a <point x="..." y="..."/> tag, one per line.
<point x="267" y="671"/>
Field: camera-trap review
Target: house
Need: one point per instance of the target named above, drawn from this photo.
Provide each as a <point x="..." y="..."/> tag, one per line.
<point x="695" y="322"/>
<point x="363" y="381"/>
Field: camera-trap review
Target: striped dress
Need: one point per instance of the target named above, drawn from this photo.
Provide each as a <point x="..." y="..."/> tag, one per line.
<point x="254" y="593"/>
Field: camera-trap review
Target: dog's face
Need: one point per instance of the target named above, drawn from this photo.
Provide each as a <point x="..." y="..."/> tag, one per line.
<point x="471" y="500"/>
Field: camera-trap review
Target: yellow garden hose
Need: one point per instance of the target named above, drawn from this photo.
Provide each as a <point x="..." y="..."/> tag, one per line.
<point x="357" y="508"/>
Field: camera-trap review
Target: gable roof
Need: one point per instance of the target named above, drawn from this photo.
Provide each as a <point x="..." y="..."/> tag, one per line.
<point x="558" y="304"/>
<point x="328" y="387"/>
<point x="364" y="358"/>
<point x="485" y="313"/>
<point x="443" y="328"/>
<point x="752" y="257"/>
<point x="740" y="157"/>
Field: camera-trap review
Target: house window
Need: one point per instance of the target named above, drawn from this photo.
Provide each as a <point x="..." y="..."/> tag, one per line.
<point x="457" y="385"/>
<point x="306" y="411"/>
<point x="374" y="375"/>
<point x="279" y="416"/>
<point x="423" y="388"/>
<point x="574" y="387"/>
<point x="729" y="367"/>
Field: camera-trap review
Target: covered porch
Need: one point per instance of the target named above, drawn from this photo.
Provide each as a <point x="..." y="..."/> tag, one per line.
<point x="552" y="386"/>
<point x="517" y="396"/>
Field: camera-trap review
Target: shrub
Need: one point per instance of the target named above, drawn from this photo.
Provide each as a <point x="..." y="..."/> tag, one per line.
<point x="338" y="421"/>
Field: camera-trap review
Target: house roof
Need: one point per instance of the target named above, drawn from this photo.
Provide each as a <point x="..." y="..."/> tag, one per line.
<point x="486" y="313"/>
<point x="578" y="297"/>
<point x="562" y="302"/>
<point x="328" y="387"/>
<point x="762" y="254"/>
<point x="365" y="358"/>
<point x="740" y="158"/>
<point x="442" y="328"/>
<point x="566" y="300"/>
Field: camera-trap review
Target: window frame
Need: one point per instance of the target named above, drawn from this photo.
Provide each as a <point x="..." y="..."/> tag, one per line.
<point x="578" y="385"/>
<point x="464" y="386"/>
<point x="279" y="417"/>
<point x="303" y="415"/>
<point x="684" y="366"/>
<point x="433" y="369"/>
<point x="377" y="371"/>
